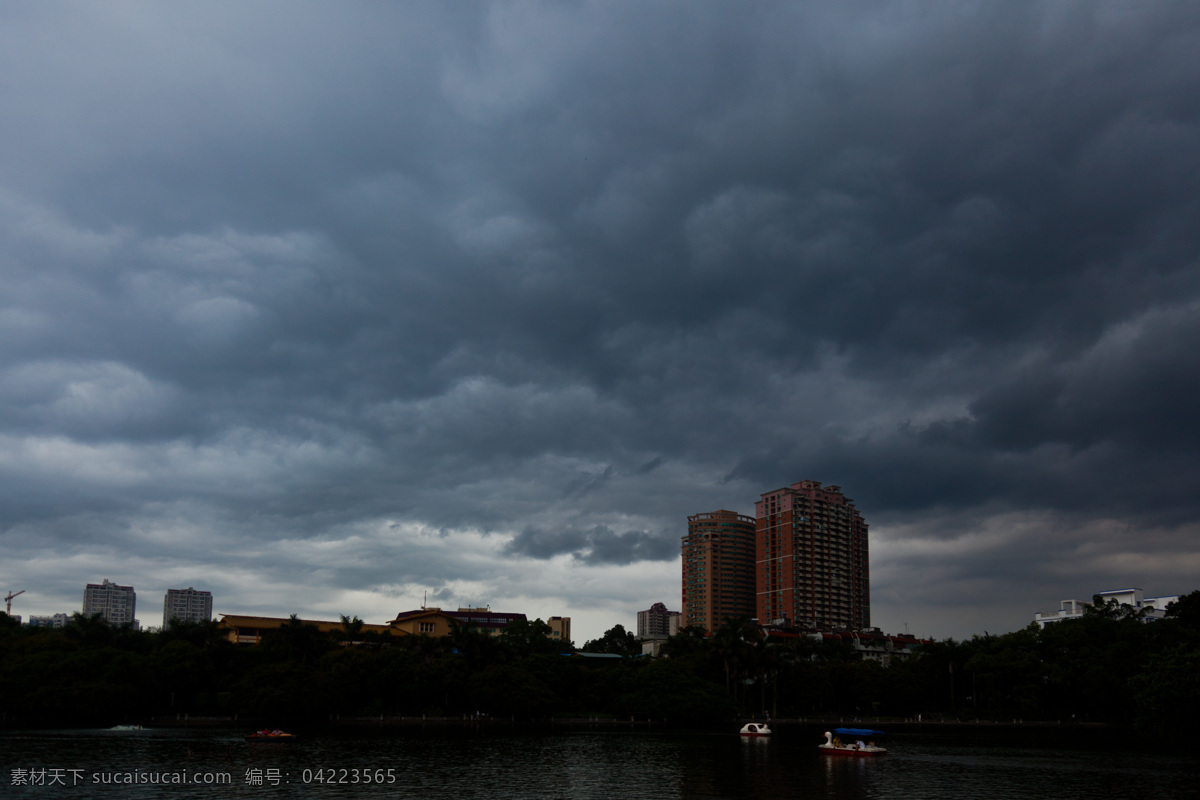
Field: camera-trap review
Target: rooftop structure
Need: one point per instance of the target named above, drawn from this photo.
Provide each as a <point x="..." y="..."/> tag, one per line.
<point x="1067" y="609"/>
<point x="432" y="622"/>
<point x="245" y="629"/>
<point x="484" y="620"/>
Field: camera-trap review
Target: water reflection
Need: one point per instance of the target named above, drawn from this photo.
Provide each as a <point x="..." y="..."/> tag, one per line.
<point x="601" y="763"/>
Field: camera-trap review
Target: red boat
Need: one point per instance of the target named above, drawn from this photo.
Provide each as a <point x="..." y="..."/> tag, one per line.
<point x="270" y="736"/>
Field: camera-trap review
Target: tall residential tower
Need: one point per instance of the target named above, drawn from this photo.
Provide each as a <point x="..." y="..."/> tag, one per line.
<point x="811" y="558"/>
<point x="186" y="605"/>
<point x="115" y="604"/>
<point x="718" y="569"/>
<point x="657" y="622"/>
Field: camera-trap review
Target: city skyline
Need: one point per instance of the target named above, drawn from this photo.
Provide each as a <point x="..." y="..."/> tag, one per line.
<point x="330" y="310"/>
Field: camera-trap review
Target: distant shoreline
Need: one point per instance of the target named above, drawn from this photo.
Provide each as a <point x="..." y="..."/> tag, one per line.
<point x="907" y="725"/>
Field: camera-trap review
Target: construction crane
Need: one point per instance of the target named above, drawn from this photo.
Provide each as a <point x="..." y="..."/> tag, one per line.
<point x="8" y="602"/>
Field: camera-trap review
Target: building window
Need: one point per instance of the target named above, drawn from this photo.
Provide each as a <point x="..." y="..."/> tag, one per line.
<point x="425" y="627"/>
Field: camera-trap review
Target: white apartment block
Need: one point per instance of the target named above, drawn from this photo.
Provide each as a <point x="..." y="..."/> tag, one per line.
<point x="186" y="605"/>
<point x="115" y="604"/>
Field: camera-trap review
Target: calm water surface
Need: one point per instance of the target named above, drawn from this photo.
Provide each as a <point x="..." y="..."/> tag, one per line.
<point x="600" y="763"/>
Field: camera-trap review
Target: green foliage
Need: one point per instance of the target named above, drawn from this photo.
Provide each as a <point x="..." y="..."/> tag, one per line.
<point x="688" y="641"/>
<point x="1111" y="608"/>
<point x="671" y="691"/>
<point x="1110" y="666"/>
<point x="352" y="630"/>
<point x="506" y="690"/>
<point x="296" y="640"/>
<point x="526" y="639"/>
<point x="286" y="692"/>
<point x="1168" y="693"/>
<point x="1186" y="610"/>
<point x="615" y="641"/>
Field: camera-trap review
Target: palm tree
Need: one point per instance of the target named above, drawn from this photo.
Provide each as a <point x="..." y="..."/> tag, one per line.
<point x="767" y="658"/>
<point x="734" y="644"/>
<point x="468" y="641"/>
<point x="297" y="639"/>
<point x="351" y="629"/>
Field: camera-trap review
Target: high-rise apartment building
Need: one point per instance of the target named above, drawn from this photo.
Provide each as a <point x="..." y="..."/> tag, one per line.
<point x="657" y="622"/>
<point x="186" y="605"/>
<point x="811" y="558"/>
<point x="718" y="569"/>
<point x="115" y="604"/>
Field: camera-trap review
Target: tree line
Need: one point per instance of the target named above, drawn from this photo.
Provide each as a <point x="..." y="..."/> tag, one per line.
<point x="1108" y="667"/>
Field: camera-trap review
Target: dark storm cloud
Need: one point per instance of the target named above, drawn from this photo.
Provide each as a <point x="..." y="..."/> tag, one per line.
<point x="598" y="545"/>
<point x="562" y="275"/>
<point x="1074" y="434"/>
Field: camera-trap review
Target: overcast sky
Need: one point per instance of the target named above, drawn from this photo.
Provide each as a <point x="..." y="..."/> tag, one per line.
<point x="324" y="307"/>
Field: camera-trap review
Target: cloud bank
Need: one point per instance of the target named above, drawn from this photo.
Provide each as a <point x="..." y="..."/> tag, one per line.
<point x="327" y="310"/>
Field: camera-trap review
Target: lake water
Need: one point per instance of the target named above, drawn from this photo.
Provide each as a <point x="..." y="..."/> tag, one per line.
<point x="599" y="763"/>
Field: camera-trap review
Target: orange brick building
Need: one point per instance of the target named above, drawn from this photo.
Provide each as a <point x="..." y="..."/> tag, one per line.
<point x="811" y="559"/>
<point x="718" y="569"/>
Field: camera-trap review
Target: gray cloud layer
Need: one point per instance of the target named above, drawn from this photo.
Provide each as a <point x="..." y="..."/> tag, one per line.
<point x="560" y="275"/>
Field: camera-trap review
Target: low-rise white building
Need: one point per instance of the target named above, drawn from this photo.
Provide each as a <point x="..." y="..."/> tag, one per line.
<point x="1067" y="609"/>
<point x="1151" y="608"/>
<point x="1154" y="607"/>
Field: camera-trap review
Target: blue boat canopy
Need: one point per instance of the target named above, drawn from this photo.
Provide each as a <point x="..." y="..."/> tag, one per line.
<point x="856" y="732"/>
